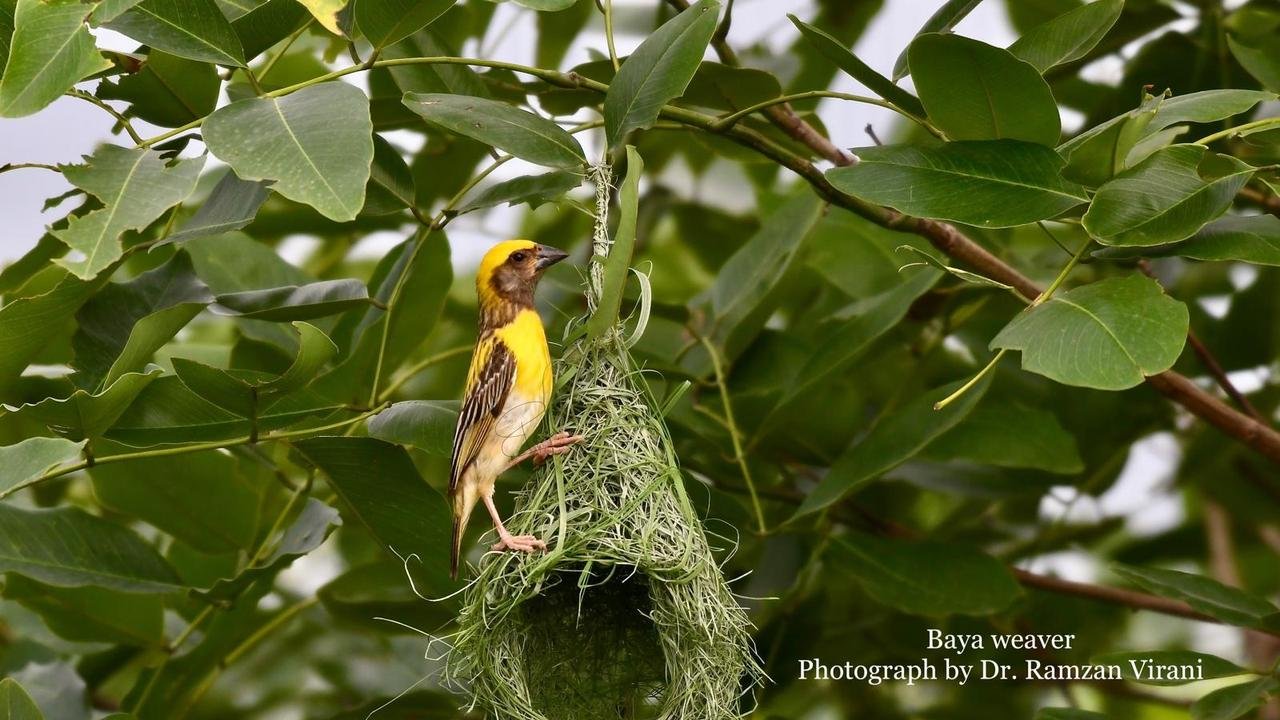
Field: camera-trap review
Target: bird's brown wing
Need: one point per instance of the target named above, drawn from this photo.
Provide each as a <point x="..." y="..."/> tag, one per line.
<point x="493" y="371"/>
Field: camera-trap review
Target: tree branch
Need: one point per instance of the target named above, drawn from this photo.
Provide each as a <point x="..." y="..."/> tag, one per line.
<point x="1111" y="595"/>
<point x="948" y="239"/>
<point x="1268" y="202"/>
<point x="943" y="236"/>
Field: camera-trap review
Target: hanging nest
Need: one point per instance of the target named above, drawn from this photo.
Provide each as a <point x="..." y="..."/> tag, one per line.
<point x="627" y="614"/>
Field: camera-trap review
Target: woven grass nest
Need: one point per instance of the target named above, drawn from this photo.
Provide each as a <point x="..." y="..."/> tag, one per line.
<point x="627" y="615"/>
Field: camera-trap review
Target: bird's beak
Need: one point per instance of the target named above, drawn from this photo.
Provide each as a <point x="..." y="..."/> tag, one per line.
<point x="548" y="256"/>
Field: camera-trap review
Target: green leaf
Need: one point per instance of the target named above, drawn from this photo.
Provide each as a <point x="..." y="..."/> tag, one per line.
<point x="1244" y="238"/>
<point x="974" y="91"/>
<point x="1011" y="435"/>
<point x="1097" y="154"/>
<point x="379" y="485"/>
<point x="557" y="31"/>
<point x="1067" y="714"/>
<point x="618" y="263"/>
<point x="168" y="91"/>
<point x="232" y="204"/>
<point x="422" y="78"/>
<point x="391" y="187"/>
<point x="429" y="275"/>
<point x="1107" y="335"/>
<point x="894" y="440"/>
<point x="15" y="703"/>
<point x="315" y="350"/>
<point x="742" y="297"/>
<point x="1207" y="106"/>
<point x="51" y="50"/>
<point x="928" y="258"/>
<point x="135" y="187"/>
<point x="28" y="324"/>
<point x="1260" y="56"/>
<point x="122" y="326"/>
<point x="726" y="87"/>
<point x="546" y="5"/>
<point x="1069" y="36"/>
<point x="23" y="463"/>
<point x="942" y="21"/>
<point x="424" y="424"/>
<point x="500" y="125"/>
<point x="329" y="13"/>
<point x="384" y="22"/>
<point x="1235" y="701"/>
<point x="1165" y="198"/>
<point x="1137" y="666"/>
<point x="292" y="302"/>
<point x="1228" y="604"/>
<point x="835" y="51"/>
<point x="926" y="577"/>
<point x="91" y="614"/>
<point x="532" y="189"/>
<point x="84" y="414"/>
<point x="382" y="590"/>
<point x="852" y="338"/>
<point x="658" y="71"/>
<point x="267" y="24"/>
<point x="109" y="10"/>
<point x="217" y="386"/>
<point x="7" y="9"/>
<point x="203" y="499"/>
<point x="68" y="547"/>
<point x="307" y="533"/>
<point x="1000" y="183"/>
<point x="316" y="144"/>
<point x="194" y="29"/>
<point x="168" y="413"/>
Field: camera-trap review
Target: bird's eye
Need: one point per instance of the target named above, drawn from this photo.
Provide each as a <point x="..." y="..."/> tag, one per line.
<point x="518" y="256"/>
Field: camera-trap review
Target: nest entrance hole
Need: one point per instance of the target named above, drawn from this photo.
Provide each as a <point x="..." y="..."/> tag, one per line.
<point x="591" y="650"/>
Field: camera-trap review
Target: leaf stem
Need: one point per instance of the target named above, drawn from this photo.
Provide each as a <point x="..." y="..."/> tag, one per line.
<point x="607" y="8"/>
<point x="28" y="166"/>
<point x="419" y="367"/>
<point x="61" y="470"/>
<point x="943" y="236"/>
<point x="972" y="381"/>
<point x="95" y="100"/>
<point x="438" y="223"/>
<point x="1040" y="300"/>
<point x="728" y="121"/>
<point x="736" y="436"/>
<point x="1245" y="129"/>
<point x="288" y="43"/>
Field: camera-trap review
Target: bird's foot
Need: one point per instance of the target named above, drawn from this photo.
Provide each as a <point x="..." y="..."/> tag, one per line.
<point x="557" y="444"/>
<point x="519" y="543"/>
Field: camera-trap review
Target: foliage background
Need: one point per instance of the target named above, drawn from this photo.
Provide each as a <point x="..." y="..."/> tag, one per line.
<point x="929" y="510"/>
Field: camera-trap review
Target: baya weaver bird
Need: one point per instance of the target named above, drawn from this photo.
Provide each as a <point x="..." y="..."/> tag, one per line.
<point x="508" y="389"/>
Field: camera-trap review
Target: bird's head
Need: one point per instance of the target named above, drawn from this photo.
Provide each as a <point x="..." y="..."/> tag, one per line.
<point x="510" y="270"/>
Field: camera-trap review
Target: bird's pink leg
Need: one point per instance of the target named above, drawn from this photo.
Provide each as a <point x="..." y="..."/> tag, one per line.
<point x="557" y="444"/>
<point x="507" y="541"/>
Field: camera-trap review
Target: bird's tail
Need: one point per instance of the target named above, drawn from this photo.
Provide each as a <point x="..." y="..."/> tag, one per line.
<point x="462" y="505"/>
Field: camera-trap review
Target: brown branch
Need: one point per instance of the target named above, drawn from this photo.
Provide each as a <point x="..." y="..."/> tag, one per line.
<point x="781" y="115"/>
<point x="1268" y="202"/>
<point x="855" y="515"/>
<point x="1210" y="361"/>
<point x="1254" y="434"/>
<point x="1111" y="595"/>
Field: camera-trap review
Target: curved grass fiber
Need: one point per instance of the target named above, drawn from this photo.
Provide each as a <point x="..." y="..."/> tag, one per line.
<point x="627" y="614"/>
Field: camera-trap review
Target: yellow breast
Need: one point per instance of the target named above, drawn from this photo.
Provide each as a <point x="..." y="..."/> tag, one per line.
<point x="528" y="342"/>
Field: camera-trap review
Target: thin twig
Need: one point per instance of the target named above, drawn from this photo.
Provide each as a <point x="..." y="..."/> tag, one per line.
<point x="95" y="100"/>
